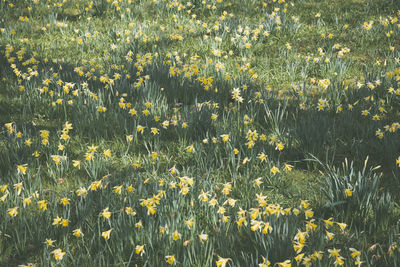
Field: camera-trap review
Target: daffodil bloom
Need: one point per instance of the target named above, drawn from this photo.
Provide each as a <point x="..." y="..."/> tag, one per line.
<point x="139" y="250"/>
<point x="286" y="263"/>
<point x="64" y="222"/>
<point x="221" y="262"/>
<point x="170" y="259"/>
<point x="18" y="187"/>
<point x="190" y="148"/>
<point x="58" y="254"/>
<point x="117" y="189"/>
<point x="225" y="137"/>
<point x="342" y="225"/>
<point x="176" y="235"/>
<point x="78" y="232"/>
<point x="309" y="213"/>
<point x="106" y="234"/>
<point x="57" y="220"/>
<point x="64" y="201"/>
<point x="105" y="213"/>
<point x="42" y="205"/>
<point x="265" y="263"/>
<point x="107" y="153"/>
<point x="81" y="192"/>
<point x="329" y="235"/>
<point x="349" y="193"/>
<point x="274" y="170"/>
<point x="355" y="253"/>
<point x="139" y="224"/>
<point x="334" y="253"/>
<point x="49" y="242"/>
<point x="76" y="163"/>
<point x="13" y="212"/>
<point x="189" y="223"/>
<point x="22" y="169"/>
<point x="203" y="237"/>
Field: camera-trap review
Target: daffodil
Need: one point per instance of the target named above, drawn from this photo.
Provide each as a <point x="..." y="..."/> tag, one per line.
<point x="106" y="234"/>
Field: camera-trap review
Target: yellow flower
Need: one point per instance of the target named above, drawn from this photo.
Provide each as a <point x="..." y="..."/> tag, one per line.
<point x="13" y="212"/>
<point x="117" y="189"/>
<point x="64" y="222"/>
<point x="189" y="223"/>
<point x="56" y="221"/>
<point x="76" y="163"/>
<point x="355" y="253"/>
<point x="154" y="155"/>
<point x="349" y="193"/>
<point x="58" y="254"/>
<point x="49" y="242"/>
<point x="274" y="170"/>
<point x="42" y="205"/>
<point x="342" y="225"/>
<point x="139" y="250"/>
<point x="170" y="259"/>
<point x="225" y="137"/>
<point x="78" y="232"/>
<point x="190" y="148"/>
<point x="64" y="201"/>
<point x="309" y="213"/>
<point x="176" y="235"/>
<point x="262" y="157"/>
<point x="286" y="263"/>
<point x="81" y="192"/>
<point x="106" y="214"/>
<point x="18" y="187"/>
<point x="221" y="262"/>
<point x="106" y="234"/>
<point x="203" y="237"/>
<point x="107" y="153"/>
<point x="22" y="168"/>
<point x="334" y="253"/>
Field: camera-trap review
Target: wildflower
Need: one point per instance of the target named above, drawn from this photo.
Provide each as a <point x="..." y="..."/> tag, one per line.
<point x="81" y="192"/>
<point x="262" y="157"/>
<point x="221" y="262"/>
<point x="58" y="254"/>
<point x="203" y="237"/>
<point x="106" y="234"/>
<point x="64" y="222"/>
<point x="189" y="223"/>
<point x="117" y="189"/>
<point x="105" y="213"/>
<point x="176" y="235"/>
<point x="42" y="205"/>
<point x="78" y="232"/>
<point x="139" y="224"/>
<point x="170" y="259"/>
<point x="22" y="168"/>
<point x="107" y="153"/>
<point x="349" y="193"/>
<point x="139" y="250"/>
<point x="342" y="225"/>
<point x="225" y="137"/>
<point x="190" y="148"/>
<point x="13" y="212"/>
<point x="286" y="263"/>
<point x="329" y="235"/>
<point x="64" y="201"/>
<point x="49" y="242"/>
<point x="309" y="213"/>
<point x="355" y="253"/>
<point x="18" y="187"/>
<point x="274" y="170"/>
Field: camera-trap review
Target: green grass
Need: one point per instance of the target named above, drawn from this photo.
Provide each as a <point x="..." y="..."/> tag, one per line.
<point x="314" y="78"/>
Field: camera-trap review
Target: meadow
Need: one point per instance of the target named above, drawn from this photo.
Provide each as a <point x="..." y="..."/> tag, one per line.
<point x="200" y="133"/>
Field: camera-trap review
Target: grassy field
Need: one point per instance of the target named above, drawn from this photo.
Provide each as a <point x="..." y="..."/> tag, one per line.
<point x="199" y="133"/>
